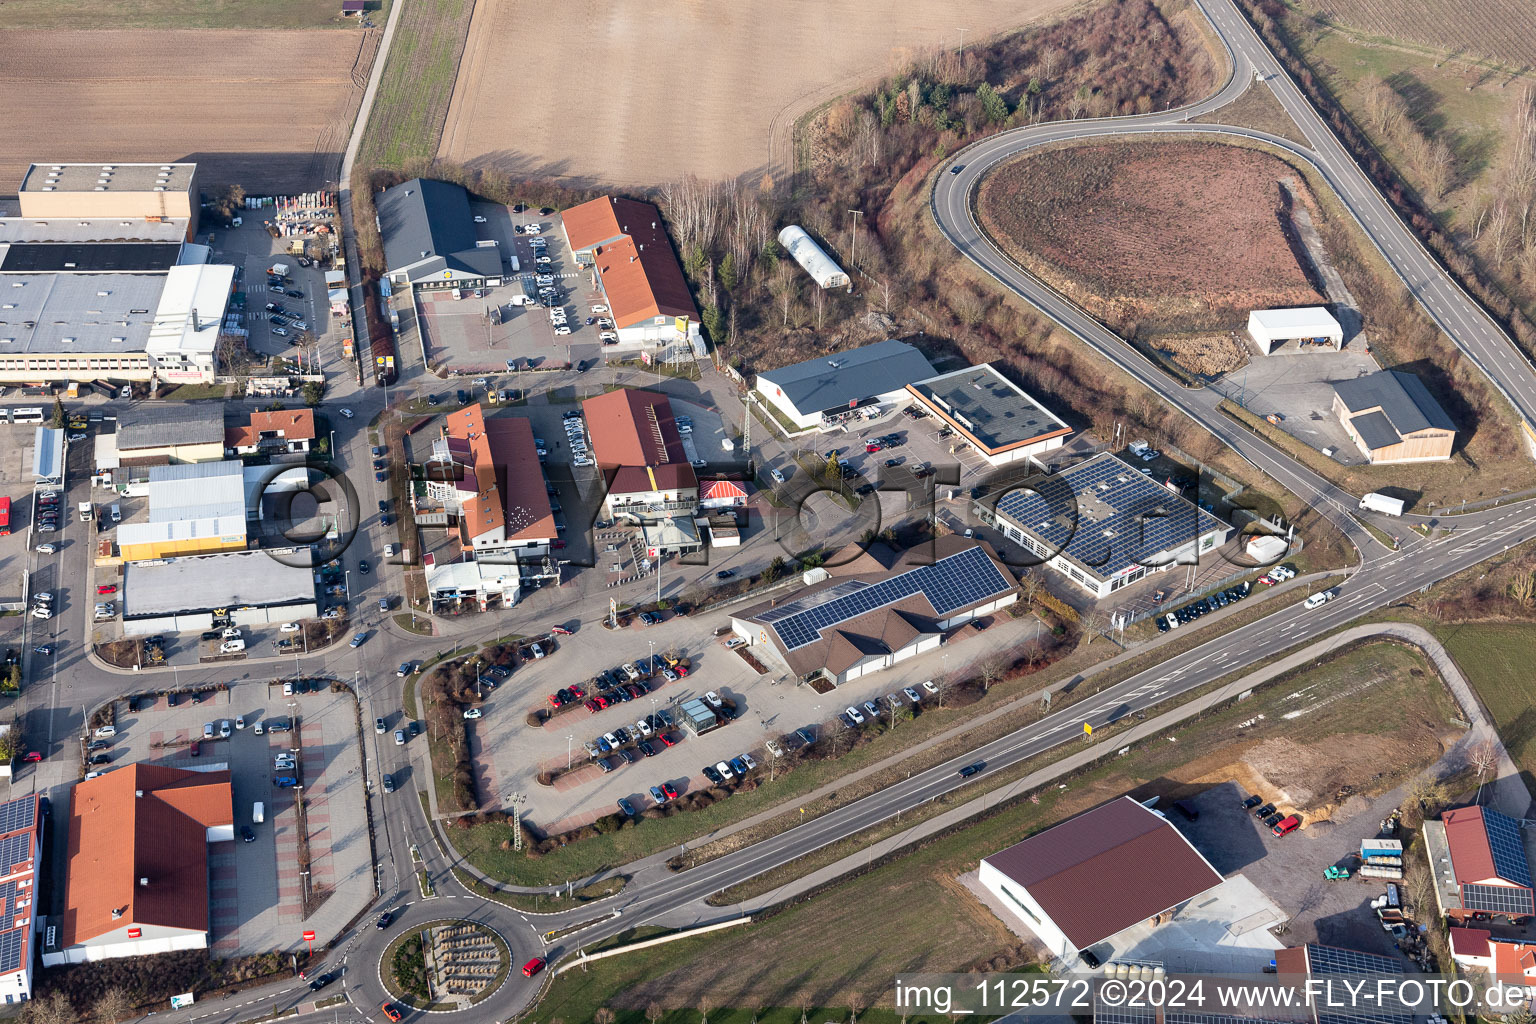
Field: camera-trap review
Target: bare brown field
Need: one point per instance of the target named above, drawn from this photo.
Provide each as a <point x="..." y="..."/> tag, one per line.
<point x="1501" y="30"/>
<point x="711" y="90"/>
<point x="1154" y="235"/>
<point x="270" y="110"/>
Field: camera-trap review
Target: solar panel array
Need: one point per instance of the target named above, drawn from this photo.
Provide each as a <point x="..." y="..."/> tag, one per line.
<point x="965" y="578"/>
<point x="1333" y="961"/>
<point x="15" y="849"/>
<point x="1143" y="517"/>
<point x="16" y="815"/>
<point x="1497" y="899"/>
<point x="10" y="894"/>
<point x="1508" y="850"/>
<point x="832" y="593"/>
<point x="11" y="944"/>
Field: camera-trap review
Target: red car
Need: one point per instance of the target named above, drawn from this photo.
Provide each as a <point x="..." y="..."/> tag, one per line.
<point x="666" y="739"/>
<point x="681" y="670"/>
<point x="578" y="692"/>
<point x="107" y="588"/>
<point x="557" y="701"/>
<point x="533" y="967"/>
<point x="33" y="757"/>
<point x="871" y="448"/>
<point x="1286" y="826"/>
<point x="666" y="787"/>
<point x="391" y="1011"/>
<point x="195" y="748"/>
<point x="591" y="706"/>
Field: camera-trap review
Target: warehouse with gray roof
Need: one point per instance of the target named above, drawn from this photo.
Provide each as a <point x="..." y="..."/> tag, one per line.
<point x="819" y="392"/>
<point x="1393" y="418"/>
<point x="1104" y="525"/>
<point x="180" y="595"/>
<point x="429" y="238"/>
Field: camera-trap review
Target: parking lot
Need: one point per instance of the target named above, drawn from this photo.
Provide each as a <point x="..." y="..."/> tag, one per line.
<point x="484" y="330"/>
<point x="1299" y="388"/>
<point x="265" y="871"/>
<point x="509" y="753"/>
<point x="252" y="250"/>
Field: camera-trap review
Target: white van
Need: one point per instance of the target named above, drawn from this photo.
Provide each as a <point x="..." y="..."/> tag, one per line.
<point x="105" y="731"/>
<point x="231" y="646"/>
<point x="521" y="300"/>
<point x="1319" y="599"/>
<point x="258" y="812"/>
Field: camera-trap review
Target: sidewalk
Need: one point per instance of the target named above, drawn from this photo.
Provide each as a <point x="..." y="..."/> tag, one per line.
<point x="654" y="867"/>
<point x="1510" y="789"/>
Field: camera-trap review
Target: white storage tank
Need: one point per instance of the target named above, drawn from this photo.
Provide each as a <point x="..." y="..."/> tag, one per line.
<point x="811" y="257"/>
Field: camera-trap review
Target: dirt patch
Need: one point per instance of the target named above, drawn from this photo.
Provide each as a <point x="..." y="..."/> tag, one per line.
<point x="267" y="109"/>
<point x="1257" y="108"/>
<point x="1209" y="355"/>
<point x="1174" y="235"/>
<point x="720" y="117"/>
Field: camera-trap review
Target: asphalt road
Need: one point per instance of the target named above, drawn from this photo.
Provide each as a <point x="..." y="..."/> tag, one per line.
<point x="1382" y="578"/>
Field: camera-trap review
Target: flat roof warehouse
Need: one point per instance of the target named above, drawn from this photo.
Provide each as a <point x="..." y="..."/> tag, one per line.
<point x="198" y="583"/>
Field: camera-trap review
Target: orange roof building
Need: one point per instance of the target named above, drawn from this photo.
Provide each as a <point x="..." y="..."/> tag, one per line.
<point x="639" y="451"/>
<point x="285" y="430"/>
<point x="641" y="280"/>
<point x="20" y="857"/>
<point x="137" y="877"/>
<point x="487" y="472"/>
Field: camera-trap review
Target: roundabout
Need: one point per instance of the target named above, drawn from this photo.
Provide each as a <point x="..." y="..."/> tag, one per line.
<point x="444" y="965"/>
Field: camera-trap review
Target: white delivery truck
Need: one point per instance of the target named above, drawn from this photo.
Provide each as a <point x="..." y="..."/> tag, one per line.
<point x="1383" y="504"/>
<point x="87" y="511"/>
<point x="516" y="266"/>
<point x="231" y="646"/>
<point x="258" y="812"/>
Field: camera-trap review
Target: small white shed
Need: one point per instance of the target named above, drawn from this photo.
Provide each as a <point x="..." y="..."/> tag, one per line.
<point x="811" y="257"/>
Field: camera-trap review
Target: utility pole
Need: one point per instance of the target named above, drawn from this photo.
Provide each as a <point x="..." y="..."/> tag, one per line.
<point x="962" y="42"/>
<point x="853" y="252"/>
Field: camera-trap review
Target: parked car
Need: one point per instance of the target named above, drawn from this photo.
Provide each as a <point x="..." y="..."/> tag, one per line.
<point x="473" y="713"/>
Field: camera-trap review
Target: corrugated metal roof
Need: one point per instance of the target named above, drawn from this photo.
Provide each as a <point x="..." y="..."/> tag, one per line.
<point x="425" y="220"/>
<point x="160" y="426"/>
<point x="202" y="490"/>
<point x="48" y="453"/>
<point x="1402" y="397"/>
<point x="1107" y="869"/>
<point x="832" y="381"/>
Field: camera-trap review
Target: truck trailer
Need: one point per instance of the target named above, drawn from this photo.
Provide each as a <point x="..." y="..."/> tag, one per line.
<point x="1383" y="504"/>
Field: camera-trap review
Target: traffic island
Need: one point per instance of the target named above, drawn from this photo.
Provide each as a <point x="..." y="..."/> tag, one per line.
<point x="445" y="965"/>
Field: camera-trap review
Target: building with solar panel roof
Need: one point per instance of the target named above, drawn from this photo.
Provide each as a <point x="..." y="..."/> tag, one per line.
<point x="1481" y="871"/>
<point x="878" y="608"/>
<point x="1104" y="525"/>
<point x="20" y="856"/>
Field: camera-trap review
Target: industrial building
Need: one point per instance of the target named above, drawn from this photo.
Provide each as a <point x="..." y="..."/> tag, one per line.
<point x="1105" y="525"/>
<point x="1311" y="326"/>
<point x="21" y="854"/>
<point x="1083" y="881"/>
<point x="625" y="243"/>
<point x="996" y="417"/>
<point x="152" y="193"/>
<point x="181" y="595"/>
<point x="137" y="876"/>
<point x="194" y="509"/>
<point x="638" y="449"/>
<point x="812" y="258"/>
<point x="828" y="389"/>
<point x="1480" y="866"/>
<point x="1393" y="418"/>
<point x="878" y="608"/>
<point x="486" y="474"/>
<point x="279" y="432"/>
<point x="429" y="238"/>
<point x="160" y="435"/>
<point x="81" y="324"/>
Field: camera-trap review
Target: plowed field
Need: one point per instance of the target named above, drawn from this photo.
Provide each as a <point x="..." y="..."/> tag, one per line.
<point x="1172" y="235"/>
<point x="268" y="109"/>
<point x="680" y="87"/>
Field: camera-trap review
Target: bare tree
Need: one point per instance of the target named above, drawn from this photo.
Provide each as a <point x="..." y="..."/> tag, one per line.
<point x="1483" y="758"/>
<point x="785" y="281"/>
<point x="1093" y="626"/>
<point x="654" y="1012"/>
<point x="819" y="300"/>
<point x="1523" y="588"/>
<point x="704" y="1008"/>
<point x="52" y="1008"/>
<point x="603" y="1015"/>
<point x="1051" y="59"/>
<point x="1439" y="170"/>
<point x="991" y="671"/>
<point x="113" y="1005"/>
